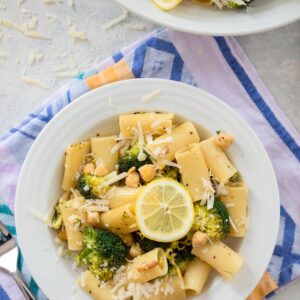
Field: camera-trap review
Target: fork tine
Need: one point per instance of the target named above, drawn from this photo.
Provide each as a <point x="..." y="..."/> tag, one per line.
<point x="3" y="229"/>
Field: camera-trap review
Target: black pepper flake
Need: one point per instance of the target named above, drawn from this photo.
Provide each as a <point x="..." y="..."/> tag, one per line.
<point x="186" y="184"/>
<point x="214" y="257"/>
<point x="90" y="291"/>
<point x="98" y="134"/>
<point x="191" y="132"/>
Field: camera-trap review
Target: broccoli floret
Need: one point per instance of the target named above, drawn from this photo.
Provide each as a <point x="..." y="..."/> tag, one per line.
<point x="57" y="220"/>
<point x="87" y="185"/>
<point x="147" y="245"/>
<point x="181" y="259"/>
<point x="130" y="159"/>
<point x="169" y="172"/>
<point x="234" y="4"/>
<point x="213" y="222"/>
<point x="103" y="252"/>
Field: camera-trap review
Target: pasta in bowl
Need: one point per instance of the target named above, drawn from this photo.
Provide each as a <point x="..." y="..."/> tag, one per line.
<point x="146" y="211"/>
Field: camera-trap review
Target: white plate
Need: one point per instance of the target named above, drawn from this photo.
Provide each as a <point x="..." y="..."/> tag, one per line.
<point x="188" y="17"/>
<point x="38" y="187"/>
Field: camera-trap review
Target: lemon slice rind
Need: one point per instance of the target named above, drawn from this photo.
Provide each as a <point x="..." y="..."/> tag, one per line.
<point x="158" y="225"/>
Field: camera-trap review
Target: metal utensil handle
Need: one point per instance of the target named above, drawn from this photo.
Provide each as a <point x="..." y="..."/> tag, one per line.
<point x="24" y="289"/>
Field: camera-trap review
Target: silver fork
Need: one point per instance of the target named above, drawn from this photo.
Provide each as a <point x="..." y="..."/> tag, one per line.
<point x="8" y="261"/>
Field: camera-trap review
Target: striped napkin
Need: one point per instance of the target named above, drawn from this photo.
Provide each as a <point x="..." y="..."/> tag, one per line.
<point x="215" y="64"/>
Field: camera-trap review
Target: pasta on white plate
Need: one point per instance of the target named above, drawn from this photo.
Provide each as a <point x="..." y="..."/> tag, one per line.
<point x="146" y="212"/>
<point x="231" y="4"/>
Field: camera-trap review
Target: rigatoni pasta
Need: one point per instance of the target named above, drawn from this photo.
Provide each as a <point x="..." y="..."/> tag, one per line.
<point x="147" y="211"/>
<point x="101" y="147"/>
<point x="236" y="201"/>
<point x="223" y="259"/>
<point x="74" y="159"/>
<point x="217" y="160"/>
<point x="193" y="170"/>
<point x="196" y="276"/>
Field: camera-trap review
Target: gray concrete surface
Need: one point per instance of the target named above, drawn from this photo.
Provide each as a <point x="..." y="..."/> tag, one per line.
<point x="275" y="54"/>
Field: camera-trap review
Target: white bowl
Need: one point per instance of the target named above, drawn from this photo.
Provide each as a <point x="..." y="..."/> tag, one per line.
<point x="189" y="17"/>
<point x="38" y="187"/>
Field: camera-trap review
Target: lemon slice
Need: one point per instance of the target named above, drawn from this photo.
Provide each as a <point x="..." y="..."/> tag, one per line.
<point x="164" y="210"/>
<point x="166" y="4"/>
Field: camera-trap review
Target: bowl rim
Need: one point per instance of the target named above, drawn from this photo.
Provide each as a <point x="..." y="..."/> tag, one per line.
<point x="193" y="30"/>
<point x="276" y="201"/>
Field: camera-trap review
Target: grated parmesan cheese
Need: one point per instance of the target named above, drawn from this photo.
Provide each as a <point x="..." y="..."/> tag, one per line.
<point x="157" y="123"/>
<point x="83" y="279"/>
<point x="221" y="190"/>
<point x="77" y="35"/>
<point x="49" y="1"/>
<point x="40" y="217"/>
<point x="51" y="17"/>
<point x="170" y="163"/>
<point x="66" y="74"/>
<point x="115" y="21"/>
<point x="35" y="57"/>
<point x="110" y="103"/>
<point x="168" y="139"/>
<point x="2" y="6"/>
<point x="135" y="26"/>
<point x="27" y="12"/>
<point x="35" y="82"/>
<point x="113" y="180"/>
<point x="60" y="251"/>
<point x="232" y="224"/>
<point x="19" y="2"/>
<point x="151" y="96"/>
<point x="142" y="156"/>
<point x="229" y="205"/>
<point x="32" y="22"/>
<point x="60" y="68"/>
<point x="3" y="55"/>
<point x="118" y="146"/>
<point x="149" y="138"/>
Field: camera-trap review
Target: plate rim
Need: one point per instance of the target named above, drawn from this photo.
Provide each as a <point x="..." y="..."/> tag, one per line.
<point x="90" y="94"/>
<point x="174" y="26"/>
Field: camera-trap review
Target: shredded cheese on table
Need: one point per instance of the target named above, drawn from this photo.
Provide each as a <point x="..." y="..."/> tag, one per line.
<point x="115" y="21"/>
<point x="35" y="82"/>
<point x="77" y="35"/>
<point x="66" y="74"/>
<point x="48" y="1"/>
<point x="35" y="57"/>
<point x="3" y="55"/>
<point x="24" y="28"/>
<point x="135" y="26"/>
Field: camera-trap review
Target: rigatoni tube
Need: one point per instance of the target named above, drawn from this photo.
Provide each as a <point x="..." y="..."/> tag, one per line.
<point x="222" y="258"/>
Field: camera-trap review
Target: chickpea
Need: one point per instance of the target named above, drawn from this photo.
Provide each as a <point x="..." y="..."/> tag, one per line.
<point x="147" y="172"/>
<point x="93" y="218"/>
<point x="224" y="140"/>
<point x="88" y="168"/>
<point x="133" y="179"/>
<point x="128" y="239"/>
<point x="199" y="239"/>
<point x="135" y="251"/>
<point x="101" y="170"/>
<point x="62" y="235"/>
